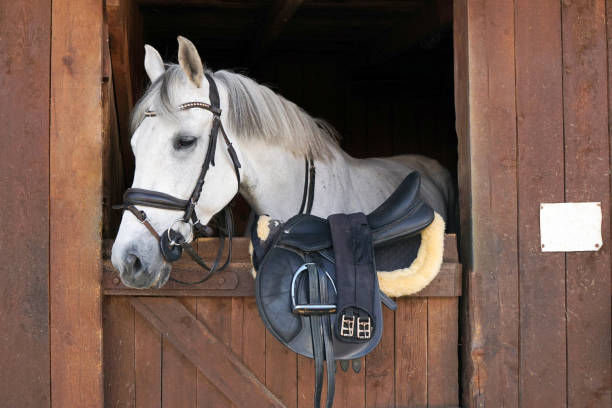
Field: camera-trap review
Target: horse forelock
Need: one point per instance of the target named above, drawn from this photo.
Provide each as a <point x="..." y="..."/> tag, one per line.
<point x="255" y="112"/>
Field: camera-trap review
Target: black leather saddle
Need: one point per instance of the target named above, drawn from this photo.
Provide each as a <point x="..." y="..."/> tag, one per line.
<point x="297" y="290"/>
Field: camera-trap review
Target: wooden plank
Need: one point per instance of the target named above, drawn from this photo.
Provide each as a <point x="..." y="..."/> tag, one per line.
<point x="118" y="13"/>
<point x="350" y="387"/>
<point x="254" y="343"/>
<point x="587" y="178"/>
<point x="205" y="351"/>
<point x="281" y="13"/>
<point x="380" y="370"/>
<point x="539" y="104"/>
<point x="119" y="359"/>
<point x="25" y="36"/>
<point x="113" y="178"/>
<point x="215" y="313"/>
<point x="237" y="279"/>
<point x="147" y="364"/>
<point x="411" y="352"/>
<point x="179" y="375"/>
<point x="484" y="35"/>
<point x="281" y="371"/>
<point x="76" y="204"/>
<point x="442" y="352"/>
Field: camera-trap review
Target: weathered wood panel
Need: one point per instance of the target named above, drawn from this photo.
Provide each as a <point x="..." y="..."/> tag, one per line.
<point x="486" y="128"/>
<point x="119" y="353"/>
<point x="25" y="39"/>
<point x="587" y="178"/>
<point x="411" y="353"/>
<point x="216" y="361"/>
<point x="539" y="102"/>
<point x="76" y="204"/>
<point x="237" y="279"/>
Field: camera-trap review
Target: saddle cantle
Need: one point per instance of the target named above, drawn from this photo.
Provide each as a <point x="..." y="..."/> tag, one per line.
<point x="299" y="295"/>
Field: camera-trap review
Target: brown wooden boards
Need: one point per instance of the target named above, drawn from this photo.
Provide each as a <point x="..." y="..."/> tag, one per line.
<point x="216" y="360"/>
<point x="119" y="359"/>
<point x="25" y="31"/>
<point x="539" y="104"/>
<point x="76" y="204"/>
<point x="486" y="126"/>
<point x="587" y="178"/>
<point x="411" y="353"/>
<point x="237" y="279"/>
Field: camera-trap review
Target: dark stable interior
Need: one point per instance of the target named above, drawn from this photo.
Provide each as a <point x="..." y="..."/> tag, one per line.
<point x="381" y="72"/>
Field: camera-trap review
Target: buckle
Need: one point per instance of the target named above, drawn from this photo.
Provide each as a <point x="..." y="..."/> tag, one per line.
<point x="364" y="328"/>
<point x="347" y="328"/>
<point x="309" y="308"/>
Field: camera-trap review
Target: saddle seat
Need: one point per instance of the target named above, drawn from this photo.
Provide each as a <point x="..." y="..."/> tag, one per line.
<point x="401" y="215"/>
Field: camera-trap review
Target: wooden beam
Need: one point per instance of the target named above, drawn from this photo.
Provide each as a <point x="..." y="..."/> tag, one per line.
<point x="484" y="44"/>
<point x="76" y="204"/>
<point x="208" y="353"/>
<point x="430" y="18"/>
<point x="237" y="279"/>
<point x="127" y="53"/>
<point x="281" y="12"/>
<point x="25" y="40"/>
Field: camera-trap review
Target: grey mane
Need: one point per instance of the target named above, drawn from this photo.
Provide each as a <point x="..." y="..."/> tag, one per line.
<point x="255" y="112"/>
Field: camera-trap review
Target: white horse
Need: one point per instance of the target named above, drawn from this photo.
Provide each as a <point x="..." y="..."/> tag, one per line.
<point x="271" y="136"/>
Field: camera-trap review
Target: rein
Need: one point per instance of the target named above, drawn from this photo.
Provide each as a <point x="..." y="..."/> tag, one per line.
<point x="172" y="243"/>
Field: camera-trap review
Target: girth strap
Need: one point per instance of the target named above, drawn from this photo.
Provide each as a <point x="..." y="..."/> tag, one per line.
<point x="321" y="332"/>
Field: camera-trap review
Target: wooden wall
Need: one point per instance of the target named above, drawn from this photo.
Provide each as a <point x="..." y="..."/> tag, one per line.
<point x="532" y="119"/>
<point x="154" y="358"/>
<point x="25" y="42"/>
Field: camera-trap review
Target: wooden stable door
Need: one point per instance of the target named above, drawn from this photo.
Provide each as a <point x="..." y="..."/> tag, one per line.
<point x="205" y="345"/>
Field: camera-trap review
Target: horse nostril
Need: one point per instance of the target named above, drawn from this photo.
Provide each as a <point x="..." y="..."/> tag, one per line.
<point x="133" y="264"/>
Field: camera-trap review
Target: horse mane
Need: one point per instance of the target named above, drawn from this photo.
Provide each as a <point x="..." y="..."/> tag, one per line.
<point x="255" y="112"/>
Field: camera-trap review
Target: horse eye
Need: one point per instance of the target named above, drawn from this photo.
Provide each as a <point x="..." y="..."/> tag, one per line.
<point x="185" y="142"/>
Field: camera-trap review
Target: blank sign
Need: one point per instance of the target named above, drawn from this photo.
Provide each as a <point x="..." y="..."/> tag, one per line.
<point x="569" y="227"/>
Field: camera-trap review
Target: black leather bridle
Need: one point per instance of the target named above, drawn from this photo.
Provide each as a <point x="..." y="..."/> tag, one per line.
<point x="171" y="242"/>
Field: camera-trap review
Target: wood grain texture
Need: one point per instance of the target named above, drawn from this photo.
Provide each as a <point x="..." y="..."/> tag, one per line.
<point x="119" y="353"/>
<point x="254" y="340"/>
<point x="179" y="375"/>
<point x="411" y="352"/>
<point x="76" y="204"/>
<point x="380" y="367"/>
<point x="25" y="37"/>
<point x="539" y="104"/>
<point x="587" y="178"/>
<point x="113" y="177"/>
<point x="211" y="357"/>
<point x="147" y="364"/>
<point x="442" y="352"/>
<point x="486" y="128"/>
<point x="237" y="279"/>
<point x="216" y="314"/>
<point x="281" y="371"/>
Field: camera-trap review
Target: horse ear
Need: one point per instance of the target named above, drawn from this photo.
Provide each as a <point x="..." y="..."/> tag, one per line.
<point x="190" y="61"/>
<point x="154" y="65"/>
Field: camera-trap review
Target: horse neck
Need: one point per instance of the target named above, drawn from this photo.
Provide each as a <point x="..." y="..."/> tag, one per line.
<point x="273" y="180"/>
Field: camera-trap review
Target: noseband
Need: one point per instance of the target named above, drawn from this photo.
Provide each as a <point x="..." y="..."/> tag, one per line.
<point x="171" y="242"/>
